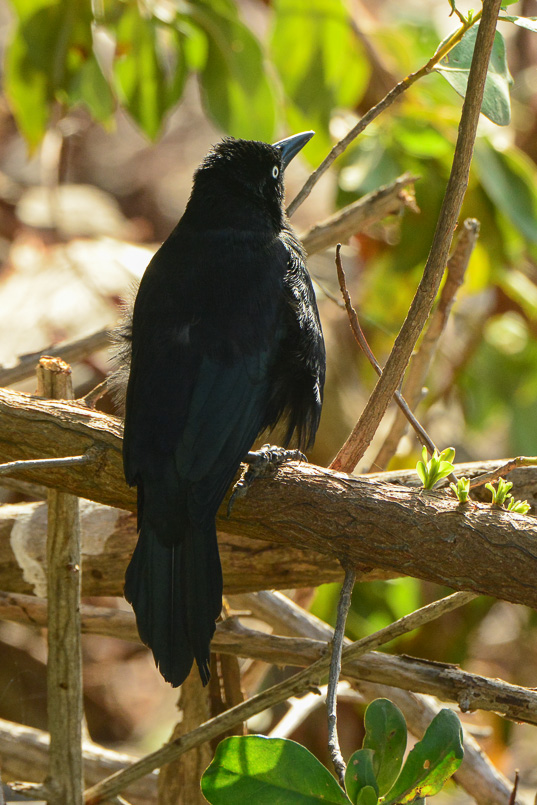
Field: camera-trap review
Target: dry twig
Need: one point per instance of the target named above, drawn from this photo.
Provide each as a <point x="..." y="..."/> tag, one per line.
<point x="443" y="680"/>
<point x="343" y="607"/>
<point x="421" y="360"/>
<point x="361" y="340"/>
<point x="70" y="352"/>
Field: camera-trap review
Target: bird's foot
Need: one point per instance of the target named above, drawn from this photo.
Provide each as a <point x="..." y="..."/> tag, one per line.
<point x="262" y="463"/>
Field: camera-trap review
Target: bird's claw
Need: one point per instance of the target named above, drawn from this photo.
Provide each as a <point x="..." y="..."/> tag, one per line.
<point x="262" y="463"/>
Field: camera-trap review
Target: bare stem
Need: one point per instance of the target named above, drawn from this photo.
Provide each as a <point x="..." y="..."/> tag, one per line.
<point x="335" y="671"/>
<point x="50" y="463"/>
<point x="421" y="359"/>
<point x="358" y="333"/>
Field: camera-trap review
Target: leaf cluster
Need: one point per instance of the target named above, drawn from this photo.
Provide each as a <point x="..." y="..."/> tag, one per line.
<point x="277" y="770"/>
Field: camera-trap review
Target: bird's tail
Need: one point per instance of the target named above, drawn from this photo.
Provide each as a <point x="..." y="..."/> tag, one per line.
<point x="176" y="593"/>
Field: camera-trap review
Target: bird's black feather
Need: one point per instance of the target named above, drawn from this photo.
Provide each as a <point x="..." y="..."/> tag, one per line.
<point x="225" y="342"/>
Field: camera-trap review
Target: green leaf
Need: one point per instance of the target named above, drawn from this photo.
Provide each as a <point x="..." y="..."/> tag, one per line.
<point x="360" y="777"/>
<point x="422" y="472"/>
<point x="268" y="771"/>
<point x="510" y="180"/>
<point x="386" y="735"/>
<point x="235" y="89"/>
<point x="320" y="61"/>
<point x="149" y="68"/>
<point x="431" y="762"/>
<point x="524" y="22"/>
<point x="51" y="43"/>
<point x="90" y="87"/>
<point x="194" y="43"/>
<point x="367" y="796"/>
<point x="455" y="67"/>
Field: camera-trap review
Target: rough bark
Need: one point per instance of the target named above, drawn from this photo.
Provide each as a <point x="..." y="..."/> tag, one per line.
<point x="361" y="520"/>
<point x="108" y="540"/>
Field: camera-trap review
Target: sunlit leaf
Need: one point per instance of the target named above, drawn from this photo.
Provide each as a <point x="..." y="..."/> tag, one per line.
<point x="431" y="762"/>
<point x="149" y="68"/>
<point x="51" y="43"/>
<point x="268" y="771"/>
<point x="386" y="735"/>
<point x="360" y="775"/>
<point x="455" y="68"/>
<point x="89" y="86"/>
<point x="524" y="22"/>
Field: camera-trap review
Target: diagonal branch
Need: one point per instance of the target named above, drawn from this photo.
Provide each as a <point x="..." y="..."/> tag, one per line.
<point x="445" y="681"/>
<point x="357" y="443"/>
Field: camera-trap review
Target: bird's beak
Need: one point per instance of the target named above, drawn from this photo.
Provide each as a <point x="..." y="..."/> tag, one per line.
<point x="290" y="147"/>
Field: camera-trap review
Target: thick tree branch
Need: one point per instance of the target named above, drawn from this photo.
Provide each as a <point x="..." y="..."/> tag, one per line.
<point x="367" y="522"/>
<point x="108" y="539"/>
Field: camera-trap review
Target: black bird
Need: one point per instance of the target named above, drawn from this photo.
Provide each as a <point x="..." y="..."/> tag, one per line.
<point x="225" y="342"/>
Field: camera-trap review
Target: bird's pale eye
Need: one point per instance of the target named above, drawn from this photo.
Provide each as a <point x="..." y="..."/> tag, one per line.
<point x="275" y="172"/>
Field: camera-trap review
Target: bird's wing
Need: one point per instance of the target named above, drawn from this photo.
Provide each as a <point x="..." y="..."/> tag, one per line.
<point x="203" y="345"/>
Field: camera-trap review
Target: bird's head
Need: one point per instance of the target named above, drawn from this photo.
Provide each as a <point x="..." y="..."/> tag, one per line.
<point x="250" y="171"/>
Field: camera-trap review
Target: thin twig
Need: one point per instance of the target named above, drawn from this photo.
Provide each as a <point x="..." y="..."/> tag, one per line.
<point x="364" y="430"/>
<point x="390" y="199"/>
<point x="512" y="798"/>
<point x="360" y="338"/>
<point x="445" y="681"/>
<point x="421" y="359"/>
<point x="335" y="671"/>
<point x="71" y="351"/>
<point x="301" y="681"/>
<point x="373" y="113"/>
<point x="90" y="456"/>
<point x="94" y="395"/>
<point x="493" y="475"/>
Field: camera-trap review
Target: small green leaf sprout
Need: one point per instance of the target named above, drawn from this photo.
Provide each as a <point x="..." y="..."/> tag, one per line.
<point x="461" y="489"/>
<point x="437" y="467"/>
<point x="518" y="506"/>
<point x="501" y="493"/>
